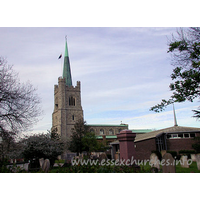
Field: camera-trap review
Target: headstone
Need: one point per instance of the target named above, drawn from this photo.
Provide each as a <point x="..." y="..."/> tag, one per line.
<point x="168" y="163"/>
<point x="102" y="156"/>
<point x="41" y="161"/>
<point x="193" y="157"/>
<point x="46" y="165"/>
<point x="84" y="153"/>
<point x="184" y="162"/>
<point x="198" y="161"/>
<point x="163" y="152"/>
<point x="26" y="166"/>
<point x="69" y="157"/>
<point x="154" y="161"/>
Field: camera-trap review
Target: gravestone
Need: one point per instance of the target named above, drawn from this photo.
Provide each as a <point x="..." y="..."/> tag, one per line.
<point x="41" y="161"/>
<point x="168" y="163"/>
<point x="163" y="152"/>
<point x="46" y="165"/>
<point x="102" y="156"/>
<point x="154" y="161"/>
<point x="69" y="157"/>
<point x="193" y="157"/>
<point x="26" y="166"/>
<point x="184" y="162"/>
<point x="198" y="161"/>
<point x="84" y="153"/>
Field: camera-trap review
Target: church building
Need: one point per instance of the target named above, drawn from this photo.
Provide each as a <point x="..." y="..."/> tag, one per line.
<point x="68" y="109"/>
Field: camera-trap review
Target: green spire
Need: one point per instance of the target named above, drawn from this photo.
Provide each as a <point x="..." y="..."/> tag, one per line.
<point x="66" y="67"/>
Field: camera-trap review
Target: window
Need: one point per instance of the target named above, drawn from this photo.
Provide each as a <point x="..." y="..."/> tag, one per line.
<point x="180" y="135"/>
<point x="111" y="132"/>
<point x="174" y="135"/>
<point x="168" y="136"/>
<point x="186" y="135"/>
<point x="56" y="102"/>
<point x="101" y="132"/>
<point x="73" y="117"/>
<point x="71" y="101"/>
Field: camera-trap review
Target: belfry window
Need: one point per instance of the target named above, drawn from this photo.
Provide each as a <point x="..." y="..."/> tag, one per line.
<point x="72" y="101"/>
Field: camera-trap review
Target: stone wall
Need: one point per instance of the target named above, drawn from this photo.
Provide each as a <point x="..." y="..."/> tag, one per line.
<point x="67" y="107"/>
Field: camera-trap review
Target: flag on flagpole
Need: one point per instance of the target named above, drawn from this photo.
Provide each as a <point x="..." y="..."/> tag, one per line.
<point x="60" y="56"/>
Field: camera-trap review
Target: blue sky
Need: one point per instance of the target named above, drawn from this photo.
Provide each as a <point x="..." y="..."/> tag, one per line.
<point x="123" y="72"/>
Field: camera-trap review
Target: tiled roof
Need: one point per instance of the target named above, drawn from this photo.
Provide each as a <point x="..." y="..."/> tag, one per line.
<point x="172" y="129"/>
<point x="141" y="130"/>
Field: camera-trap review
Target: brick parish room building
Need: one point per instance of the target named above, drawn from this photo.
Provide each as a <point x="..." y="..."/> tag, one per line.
<point x="174" y="138"/>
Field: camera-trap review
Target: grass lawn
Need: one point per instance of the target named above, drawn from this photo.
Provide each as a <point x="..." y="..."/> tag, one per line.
<point x="192" y="168"/>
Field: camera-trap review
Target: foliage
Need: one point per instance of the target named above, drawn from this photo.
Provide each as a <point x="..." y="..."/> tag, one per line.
<point x="41" y="146"/>
<point x="3" y="163"/>
<point x="19" y="104"/>
<point x="7" y="143"/>
<point x="196" y="146"/>
<point x="186" y="152"/>
<point x="90" y="143"/>
<point x="54" y="134"/>
<point x="185" y="51"/>
<point x="83" y="140"/>
<point x="78" y="132"/>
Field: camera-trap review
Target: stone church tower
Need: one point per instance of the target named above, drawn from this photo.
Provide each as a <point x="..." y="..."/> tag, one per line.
<point x="67" y="101"/>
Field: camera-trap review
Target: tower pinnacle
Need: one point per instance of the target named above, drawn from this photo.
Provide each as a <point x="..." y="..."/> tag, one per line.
<point x="66" y="66"/>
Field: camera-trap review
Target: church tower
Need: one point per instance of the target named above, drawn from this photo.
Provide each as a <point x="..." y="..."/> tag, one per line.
<point x="67" y="101"/>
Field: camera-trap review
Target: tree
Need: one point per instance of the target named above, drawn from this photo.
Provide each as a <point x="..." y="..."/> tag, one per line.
<point x="83" y="140"/>
<point x="19" y="104"/>
<point x="78" y="132"/>
<point x="41" y="146"/>
<point x="185" y="51"/>
<point x="90" y="142"/>
<point x="196" y="146"/>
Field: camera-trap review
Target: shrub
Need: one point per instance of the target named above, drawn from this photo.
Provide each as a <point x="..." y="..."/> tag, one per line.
<point x="41" y="146"/>
<point x="186" y="152"/>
